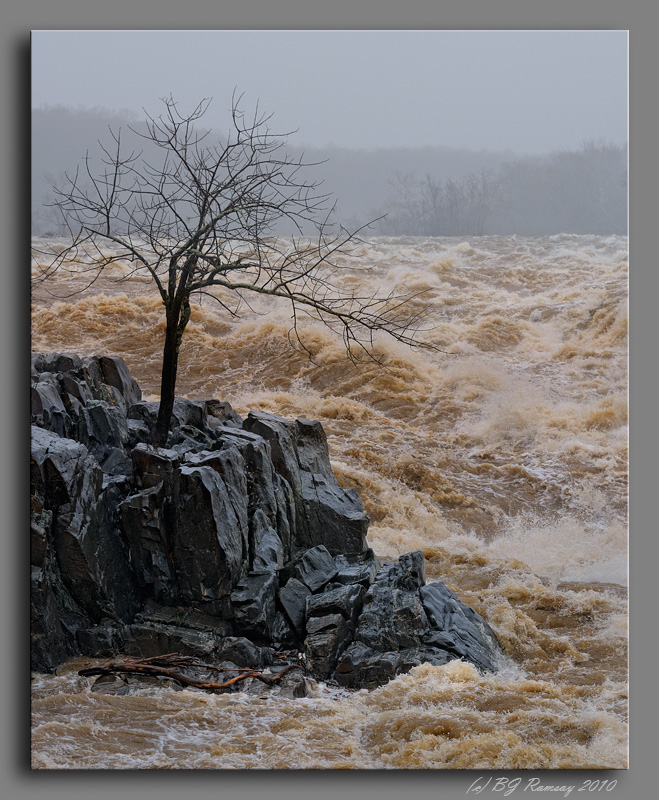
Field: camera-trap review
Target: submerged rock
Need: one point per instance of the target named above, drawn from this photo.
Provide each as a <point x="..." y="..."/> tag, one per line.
<point x="232" y="540"/>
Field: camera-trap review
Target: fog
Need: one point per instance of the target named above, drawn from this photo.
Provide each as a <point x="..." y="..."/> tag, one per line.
<point x="527" y="91"/>
<point x="447" y="132"/>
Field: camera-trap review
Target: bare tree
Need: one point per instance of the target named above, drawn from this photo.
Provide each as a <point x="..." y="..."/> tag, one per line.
<point x="193" y="213"/>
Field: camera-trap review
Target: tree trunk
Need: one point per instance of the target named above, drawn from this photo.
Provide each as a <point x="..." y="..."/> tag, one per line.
<point x="177" y="317"/>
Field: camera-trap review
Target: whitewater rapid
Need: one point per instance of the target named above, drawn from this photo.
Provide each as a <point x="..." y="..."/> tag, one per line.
<point x="502" y="455"/>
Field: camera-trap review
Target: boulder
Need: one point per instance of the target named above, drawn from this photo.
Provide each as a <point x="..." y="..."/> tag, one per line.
<point x="356" y="568"/>
<point x="91" y="555"/>
<point x="315" y="568"/>
<point x="223" y="412"/>
<point x="344" y="600"/>
<point x="243" y="653"/>
<point x="293" y="597"/>
<point x="145" y="516"/>
<point x="206" y="539"/>
<point x="266" y="548"/>
<point x="405" y="622"/>
<point x="457" y="628"/>
<point x="116" y="374"/>
<point x="326" y="514"/>
<point x="47" y="406"/>
<point x="328" y="638"/>
<point x="254" y="607"/>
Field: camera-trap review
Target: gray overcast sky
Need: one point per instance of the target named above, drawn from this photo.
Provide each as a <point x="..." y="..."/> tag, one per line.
<point x="527" y="91"/>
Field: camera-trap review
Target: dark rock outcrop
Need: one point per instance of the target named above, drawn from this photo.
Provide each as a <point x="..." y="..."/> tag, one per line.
<point x="232" y="542"/>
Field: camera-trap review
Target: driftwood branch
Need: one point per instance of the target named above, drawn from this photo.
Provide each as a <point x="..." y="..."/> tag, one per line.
<point x="171" y="664"/>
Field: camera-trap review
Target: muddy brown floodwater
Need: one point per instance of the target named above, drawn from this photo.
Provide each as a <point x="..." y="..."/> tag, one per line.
<point x="504" y="459"/>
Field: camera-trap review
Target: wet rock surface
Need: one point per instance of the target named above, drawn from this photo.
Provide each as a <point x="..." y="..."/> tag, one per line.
<point x="234" y="544"/>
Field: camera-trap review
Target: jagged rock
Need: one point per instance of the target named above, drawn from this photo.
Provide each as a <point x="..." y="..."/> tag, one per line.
<point x="293" y="597"/>
<point x="283" y="632"/>
<point x="330" y="626"/>
<point x="116" y="463"/>
<point x="405" y="623"/>
<point x="107" y="378"/>
<point x="151" y="465"/>
<point x="315" y="568"/>
<point x="240" y="651"/>
<point x="189" y="413"/>
<point x="344" y="600"/>
<point x="230" y="465"/>
<point x="138" y="433"/>
<point x="116" y="374"/>
<point x="102" y="428"/>
<point x="460" y="630"/>
<point x="224" y="413"/>
<point x="188" y="420"/>
<point x="295" y="685"/>
<point x="47" y="639"/>
<point x="254" y="604"/>
<point x="38" y="543"/>
<point x="120" y="685"/>
<point x="319" y="624"/>
<point x="90" y="553"/>
<point x="101" y="641"/>
<point x="206" y="540"/>
<point x="326" y="641"/>
<point x="188" y="439"/>
<point x="153" y="550"/>
<point x="186" y="617"/>
<point x="356" y="568"/>
<point x="266" y="490"/>
<point x="163" y="629"/>
<point x="393" y="617"/>
<point x="47" y="407"/>
<point x="361" y="666"/>
<point x="77" y="389"/>
<point x="56" y="362"/>
<point x="148" y="639"/>
<point x="325" y="513"/>
<point x="145" y="412"/>
<point x="266" y="548"/>
<point x="407" y="574"/>
<point x="54" y="616"/>
<point x="144" y="517"/>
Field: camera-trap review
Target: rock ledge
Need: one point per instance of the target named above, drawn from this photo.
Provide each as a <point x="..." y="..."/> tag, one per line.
<point x="234" y="544"/>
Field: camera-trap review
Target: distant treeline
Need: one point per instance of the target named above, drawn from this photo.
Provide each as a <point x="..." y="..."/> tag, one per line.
<point x="431" y="191"/>
<point x="570" y="191"/>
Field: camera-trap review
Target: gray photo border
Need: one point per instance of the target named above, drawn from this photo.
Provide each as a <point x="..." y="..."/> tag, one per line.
<point x="641" y="18"/>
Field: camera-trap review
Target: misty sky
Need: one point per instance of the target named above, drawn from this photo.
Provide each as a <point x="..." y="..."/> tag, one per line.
<point x="526" y="91"/>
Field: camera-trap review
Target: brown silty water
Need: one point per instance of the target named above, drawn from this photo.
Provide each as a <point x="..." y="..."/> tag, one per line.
<point x="503" y="458"/>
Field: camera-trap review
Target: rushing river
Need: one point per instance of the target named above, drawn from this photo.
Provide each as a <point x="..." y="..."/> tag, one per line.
<point x="503" y="457"/>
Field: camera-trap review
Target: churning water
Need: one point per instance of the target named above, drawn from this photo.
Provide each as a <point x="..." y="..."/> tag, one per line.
<point x="503" y="458"/>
